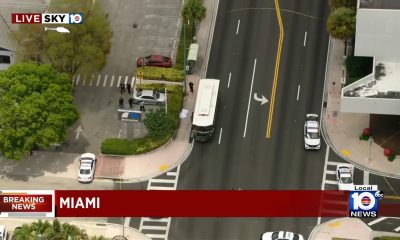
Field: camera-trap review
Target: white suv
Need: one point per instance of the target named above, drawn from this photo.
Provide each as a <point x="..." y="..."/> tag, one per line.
<point x="312" y="138"/>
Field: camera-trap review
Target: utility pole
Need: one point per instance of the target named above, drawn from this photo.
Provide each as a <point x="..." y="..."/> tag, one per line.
<point x="184" y="59"/>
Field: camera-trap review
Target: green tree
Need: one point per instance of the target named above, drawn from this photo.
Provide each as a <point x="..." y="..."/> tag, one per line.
<point x="36" y="108"/>
<point x="193" y="12"/>
<point x="24" y="233"/>
<point x="342" y="24"/>
<point x="82" y="50"/>
<point x="158" y="123"/>
<point x="343" y="3"/>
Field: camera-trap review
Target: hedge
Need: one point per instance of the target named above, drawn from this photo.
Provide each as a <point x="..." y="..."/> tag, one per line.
<point x="118" y="146"/>
<point x="159" y="73"/>
<point x="386" y="238"/>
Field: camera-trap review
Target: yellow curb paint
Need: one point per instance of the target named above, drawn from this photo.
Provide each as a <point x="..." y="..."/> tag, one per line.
<point x="276" y="72"/>
<point x="345" y="152"/>
<point x="164" y="167"/>
<point x="335" y="224"/>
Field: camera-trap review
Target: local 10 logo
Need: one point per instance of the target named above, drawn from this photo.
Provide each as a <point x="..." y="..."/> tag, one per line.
<point x="364" y="201"/>
<point x="75" y="18"/>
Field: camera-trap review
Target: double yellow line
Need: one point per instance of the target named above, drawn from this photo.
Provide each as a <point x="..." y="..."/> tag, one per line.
<point x="276" y="73"/>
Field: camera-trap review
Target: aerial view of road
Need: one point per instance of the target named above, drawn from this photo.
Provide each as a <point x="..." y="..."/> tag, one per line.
<point x="225" y="95"/>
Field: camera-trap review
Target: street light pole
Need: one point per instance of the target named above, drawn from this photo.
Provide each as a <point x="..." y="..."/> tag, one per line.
<point x="184" y="59"/>
<point x="371" y="140"/>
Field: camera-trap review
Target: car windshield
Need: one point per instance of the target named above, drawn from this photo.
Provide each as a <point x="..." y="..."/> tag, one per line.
<point x="139" y="93"/>
<point x="156" y="95"/>
<point x="346" y="180"/>
<point x="313" y="135"/>
<point x="85" y="171"/>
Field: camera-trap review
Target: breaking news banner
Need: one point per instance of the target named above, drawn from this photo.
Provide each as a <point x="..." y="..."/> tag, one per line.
<point x="27" y="203"/>
<point x="47" y="18"/>
<point x="183" y="203"/>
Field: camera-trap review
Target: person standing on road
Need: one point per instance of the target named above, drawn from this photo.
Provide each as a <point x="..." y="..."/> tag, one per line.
<point x="128" y="86"/>
<point x="122" y="88"/>
<point x="130" y="102"/>
<point x="191" y="86"/>
<point x="121" y="102"/>
<point x="142" y="107"/>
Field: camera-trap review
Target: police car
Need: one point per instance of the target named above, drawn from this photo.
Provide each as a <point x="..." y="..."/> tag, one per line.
<point x="312" y="138"/>
<point x="344" y="176"/>
<point x="87" y="166"/>
<point x="281" y="235"/>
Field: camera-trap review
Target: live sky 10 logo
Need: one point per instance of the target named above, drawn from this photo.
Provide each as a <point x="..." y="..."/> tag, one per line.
<point x="364" y="201"/>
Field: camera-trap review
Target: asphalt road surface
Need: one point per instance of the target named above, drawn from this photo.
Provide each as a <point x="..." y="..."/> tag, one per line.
<point x="243" y="157"/>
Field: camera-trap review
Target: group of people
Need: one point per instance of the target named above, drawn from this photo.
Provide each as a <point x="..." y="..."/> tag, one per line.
<point x="128" y="87"/>
<point x="130" y="101"/>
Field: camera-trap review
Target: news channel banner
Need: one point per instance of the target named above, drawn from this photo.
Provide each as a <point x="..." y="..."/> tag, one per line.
<point x="363" y="201"/>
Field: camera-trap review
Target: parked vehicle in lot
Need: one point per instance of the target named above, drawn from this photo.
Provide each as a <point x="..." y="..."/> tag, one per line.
<point x="149" y="97"/>
<point x="281" y="235"/>
<point x="3" y="232"/>
<point x="154" y="61"/>
<point x="312" y="139"/>
<point x="344" y="176"/>
<point x="87" y="166"/>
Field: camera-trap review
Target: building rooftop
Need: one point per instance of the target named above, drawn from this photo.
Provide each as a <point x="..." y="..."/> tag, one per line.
<point x="380" y="4"/>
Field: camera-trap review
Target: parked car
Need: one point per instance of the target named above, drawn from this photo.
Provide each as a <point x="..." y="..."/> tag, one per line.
<point x="312" y="138"/>
<point x="154" y="61"/>
<point x="344" y="176"/>
<point x="87" y="166"/>
<point x="281" y="235"/>
<point x="3" y="232"/>
<point x="149" y="97"/>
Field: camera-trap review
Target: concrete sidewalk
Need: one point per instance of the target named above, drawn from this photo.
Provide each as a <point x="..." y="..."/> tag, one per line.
<point x="342" y="130"/>
<point x="106" y="230"/>
<point x="346" y="228"/>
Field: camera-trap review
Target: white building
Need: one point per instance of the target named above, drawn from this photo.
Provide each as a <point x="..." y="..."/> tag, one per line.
<point x="377" y="36"/>
<point x="8" y="45"/>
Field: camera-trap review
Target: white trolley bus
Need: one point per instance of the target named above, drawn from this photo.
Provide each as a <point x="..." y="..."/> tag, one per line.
<point x="205" y="110"/>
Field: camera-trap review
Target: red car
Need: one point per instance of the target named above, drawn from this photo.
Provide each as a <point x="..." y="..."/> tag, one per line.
<point x="154" y="61"/>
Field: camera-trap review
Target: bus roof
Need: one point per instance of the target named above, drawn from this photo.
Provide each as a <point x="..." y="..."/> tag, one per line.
<point x="206" y="102"/>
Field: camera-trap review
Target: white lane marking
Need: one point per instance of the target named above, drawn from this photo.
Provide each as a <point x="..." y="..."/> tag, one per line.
<point x="325" y="167"/>
<point x="330" y="172"/>
<point x="119" y="81"/>
<point x="126" y="80"/>
<point x="298" y="92"/>
<point x="305" y="39"/>
<point x="334" y="163"/>
<point x="376" y="221"/>
<point x="77" y="79"/>
<point x="251" y="90"/>
<point x="237" y="28"/>
<point x="84" y="80"/>
<point x="91" y="80"/>
<point x="155" y="180"/>
<point x="127" y="220"/>
<point x="133" y="81"/>
<point x="366" y="178"/>
<point x="331" y="182"/>
<point x="220" y="135"/>
<point x="229" y="80"/>
<point x="397" y="229"/>
<point x="98" y="81"/>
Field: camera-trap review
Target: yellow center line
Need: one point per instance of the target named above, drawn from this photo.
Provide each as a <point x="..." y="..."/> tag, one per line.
<point x="276" y="73"/>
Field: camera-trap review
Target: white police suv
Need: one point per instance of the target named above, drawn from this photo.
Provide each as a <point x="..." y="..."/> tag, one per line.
<point x="344" y="176"/>
<point x="281" y="235"/>
<point x="312" y="138"/>
<point x="87" y="166"/>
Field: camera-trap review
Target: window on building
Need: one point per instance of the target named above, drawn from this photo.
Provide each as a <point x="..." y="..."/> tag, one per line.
<point x="5" y="59"/>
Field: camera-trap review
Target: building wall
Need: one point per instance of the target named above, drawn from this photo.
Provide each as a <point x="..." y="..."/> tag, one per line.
<point x="6" y="53"/>
<point x="370" y="105"/>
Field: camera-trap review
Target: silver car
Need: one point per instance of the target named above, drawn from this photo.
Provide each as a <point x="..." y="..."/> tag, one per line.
<point x="148" y="97"/>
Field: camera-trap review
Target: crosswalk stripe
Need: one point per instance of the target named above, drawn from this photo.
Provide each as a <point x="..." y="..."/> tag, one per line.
<point x="376" y="221"/>
<point x="127" y="220"/>
<point x="98" y="81"/>
<point x="330" y="172"/>
<point x="133" y="81"/>
<point x="119" y="81"/>
<point x="126" y="80"/>
<point x="112" y="80"/>
<point x="84" y="80"/>
<point x="334" y="163"/>
<point x="77" y="79"/>
<point x="330" y="182"/>
<point x="366" y="178"/>
<point x="91" y="80"/>
<point x="161" y="188"/>
<point x="162" y="180"/>
<point x="171" y="173"/>
<point x="154" y="228"/>
<point x="146" y="219"/>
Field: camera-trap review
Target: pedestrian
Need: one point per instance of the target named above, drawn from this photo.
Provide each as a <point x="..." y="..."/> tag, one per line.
<point x="191" y="86"/>
<point x="142" y="107"/>
<point x="130" y="102"/>
<point x="128" y="86"/>
<point x="122" y="88"/>
<point x="121" y="102"/>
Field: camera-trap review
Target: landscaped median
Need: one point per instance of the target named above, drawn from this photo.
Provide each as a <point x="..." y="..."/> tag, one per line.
<point x="158" y="73"/>
<point x="161" y="126"/>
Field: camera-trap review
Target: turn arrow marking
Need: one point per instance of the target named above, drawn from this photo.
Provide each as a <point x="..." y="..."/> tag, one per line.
<point x="263" y="100"/>
<point x="78" y="131"/>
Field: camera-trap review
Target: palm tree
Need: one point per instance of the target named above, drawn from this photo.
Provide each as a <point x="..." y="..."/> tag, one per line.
<point x="194" y="12"/>
<point x="25" y="232"/>
<point x="342" y="24"/>
<point x="343" y="3"/>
